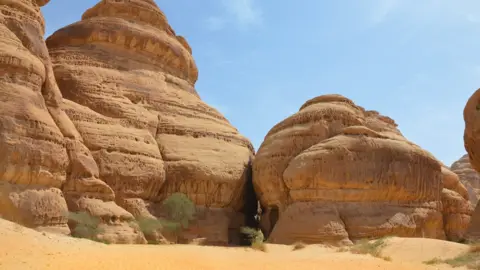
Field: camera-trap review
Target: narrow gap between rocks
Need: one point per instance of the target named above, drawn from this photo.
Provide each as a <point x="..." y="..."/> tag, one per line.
<point x="250" y="207"/>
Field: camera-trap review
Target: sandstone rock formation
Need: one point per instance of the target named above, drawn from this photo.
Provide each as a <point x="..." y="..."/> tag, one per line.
<point x="33" y="160"/>
<point x="472" y="129"/>
<point x="334" y="172"/>
<point x="42" y="152"/>
<point x="469" y="177"/>
<point x="471" y="139"/>
<point x="128" y="86"/>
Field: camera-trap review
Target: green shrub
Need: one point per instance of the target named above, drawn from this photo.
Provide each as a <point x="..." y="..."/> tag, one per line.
<point x="256" y="238"/>
<point x="180" y="209"/>
<point x="254" y="235"/>
<point x="149" y="225"/>
<point x="299" y="245"/>
<point x="86" y="225"/>
<point x="469" y="259"/>
<point x="260" y="247"/>
<point x="433" y="261"/>
<point x="366" y="246"/>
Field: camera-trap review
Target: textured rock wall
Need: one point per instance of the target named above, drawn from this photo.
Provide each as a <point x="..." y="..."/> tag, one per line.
<point x="337" y="173"/>
<point x="472" y="129"/>
<point x="468" y="176"/>
<point x="42" y="152"/>
<point x="33" y="159"/>
<point x="471" y="139"/>
<point x="128" y="84"/>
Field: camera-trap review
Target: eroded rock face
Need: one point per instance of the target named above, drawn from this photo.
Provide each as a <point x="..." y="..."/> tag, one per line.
<point x="471" y="139"/>
<point x="469" y="177"/>
<point x="472" y="129"/>
<point x="334" y="172"/>
<point x="33" y="159"/>
<point x="128" y="84"/>
<point x="41" y="150"/>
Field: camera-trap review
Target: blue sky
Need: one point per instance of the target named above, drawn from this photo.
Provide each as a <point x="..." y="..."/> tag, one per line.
<point x="259" y="61"/>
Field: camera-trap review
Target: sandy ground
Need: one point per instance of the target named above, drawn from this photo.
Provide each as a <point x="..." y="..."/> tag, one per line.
<point x="22" y="248"/>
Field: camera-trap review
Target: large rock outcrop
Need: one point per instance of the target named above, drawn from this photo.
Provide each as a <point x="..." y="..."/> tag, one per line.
<point x="471" y="139"/>
<point x="41" y="150"/>
<point x="471" y="136"/>
<point x="128" y="84"/>
<point x="468" y="176"/>
<point x="334" y="172"/>
<point x="33" y="157"/>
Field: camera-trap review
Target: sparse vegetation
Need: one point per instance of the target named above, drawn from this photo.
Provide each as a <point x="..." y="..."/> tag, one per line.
<point x="433" y="261"/>
<point x="469" y="259"/>
<point x="259" y="246"/>
<point x="368" y="247"/>
<point x="179" y="208"/>
<point x="299" y="245"/>
<point x="86" y="225"/>
<point x="365" y="246"/>
<point x="256" y="238"/>
<point x="149" y="225"/>
<point x="180" y="211"/>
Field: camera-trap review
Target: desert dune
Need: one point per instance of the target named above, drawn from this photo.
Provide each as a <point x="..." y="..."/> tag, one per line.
<point x="50" y="251"/>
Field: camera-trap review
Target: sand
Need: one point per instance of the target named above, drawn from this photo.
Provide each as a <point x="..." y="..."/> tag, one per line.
<point x="23" y="248"/>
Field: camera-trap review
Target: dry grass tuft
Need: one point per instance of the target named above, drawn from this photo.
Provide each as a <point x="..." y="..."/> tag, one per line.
<point x="469" y="259"/>
<point x="260" y="247"/>
<point x="256" y="238"/>
<point x="365" y="246"/>
<point x="299" y="245"/>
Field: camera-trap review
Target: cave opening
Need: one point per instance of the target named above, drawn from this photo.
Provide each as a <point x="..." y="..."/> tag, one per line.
<point x="250" y="207"/>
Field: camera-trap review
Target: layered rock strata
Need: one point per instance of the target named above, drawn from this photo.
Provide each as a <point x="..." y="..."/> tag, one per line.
<point x="468" y="176"/>
<point x="128" y="84"/>
<point x="335" y="172"/>
<point x="472" y="129"/>
<point x="33" y="159"/>
<point x="471" y="139"/>
<point x="42" y="152"/>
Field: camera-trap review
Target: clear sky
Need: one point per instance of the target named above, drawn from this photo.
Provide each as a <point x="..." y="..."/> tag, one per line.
<point x="417" y="61"/>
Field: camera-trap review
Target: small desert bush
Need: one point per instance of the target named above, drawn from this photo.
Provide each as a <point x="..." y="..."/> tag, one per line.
<point x="180" y="209"/>
<point x="365" y="246"/>
<point x="256" y="238"/>
<point x="180" y="212"/>
<point x="86" y="225"/>
<point x="259" y="246"/>
<point x="469" y="259"/>
<point x="433" y="261"/>
<point x="148" y="225"/>
<point x="299" y="245"/>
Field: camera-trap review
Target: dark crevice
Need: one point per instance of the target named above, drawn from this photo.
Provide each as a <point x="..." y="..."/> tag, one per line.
<point x="250" y="207"/>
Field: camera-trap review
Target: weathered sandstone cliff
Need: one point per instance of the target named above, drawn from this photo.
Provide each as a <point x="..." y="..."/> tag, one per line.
<point x="128" y="131"/>
<point x="334" y="172"/>
<point x="469" y="177"/>
<point x="41" y="150"/>
<point x="471" y="139"/>
<point x="128" y="86"/>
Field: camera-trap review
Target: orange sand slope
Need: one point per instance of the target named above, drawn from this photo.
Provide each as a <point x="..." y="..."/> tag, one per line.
<point x="23" y="248"/>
